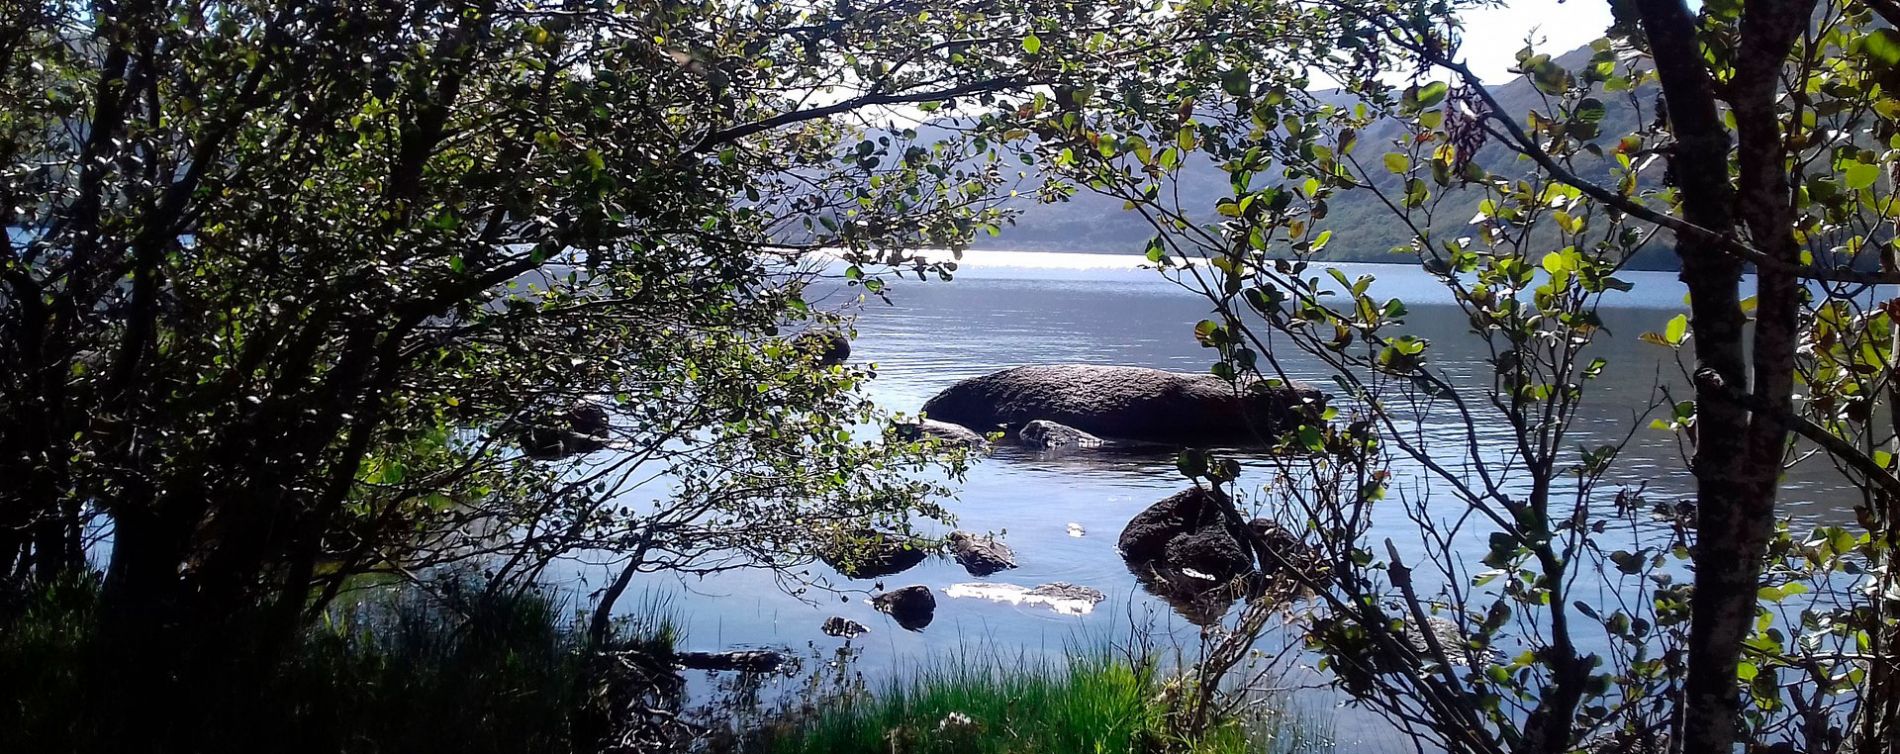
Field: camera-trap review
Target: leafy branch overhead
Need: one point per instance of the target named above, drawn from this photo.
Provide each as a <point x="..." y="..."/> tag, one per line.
<point x="1732" y="135"/>
<point x="295" y="293"/>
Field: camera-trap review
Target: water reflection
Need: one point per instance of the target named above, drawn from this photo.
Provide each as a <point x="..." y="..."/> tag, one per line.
<point x="1106" y="311"/>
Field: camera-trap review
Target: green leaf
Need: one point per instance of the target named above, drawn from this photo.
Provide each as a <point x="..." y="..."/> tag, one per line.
<point x="1882" y="46"/>
<point x="1191" y="463"/>
<point x="1235" y="82"/>
<point x="1397" y="163"/>
<point x="1032" y="44"/>
<point x="1860" y="175"/>
<point x="1677" y="329"/>
<point x="1557" y="263"/>
<point x="1591" y="110"/>
<point x="1311" y="439"/>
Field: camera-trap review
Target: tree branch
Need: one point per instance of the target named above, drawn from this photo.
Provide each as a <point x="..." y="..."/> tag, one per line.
<point x="715" y="138"/>
<point x="1834" y="444"/>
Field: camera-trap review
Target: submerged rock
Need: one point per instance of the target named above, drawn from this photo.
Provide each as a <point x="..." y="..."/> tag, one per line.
<point x="1201" y="603"/>
<point x="824" y="347"/>
<point x="744" y="661"/>
<point x="838" y="625"/>
<point x="1062" y="597"/>
<point x="949" y="434"/>
<point x="1359" y="656"/>
<point x="866" y="554"/>
<point x="1126" y="403"/>
<point x="1452" y="638"/>
<point x="1063" y="590"/>
<point x="581" y="428"/>
<point x="981" y="555"/>
<point x="913" y="607"/>
<point x="1048" y="435"/>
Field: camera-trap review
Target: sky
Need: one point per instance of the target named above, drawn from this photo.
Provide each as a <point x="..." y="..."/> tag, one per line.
<point x="1494" y="35"/>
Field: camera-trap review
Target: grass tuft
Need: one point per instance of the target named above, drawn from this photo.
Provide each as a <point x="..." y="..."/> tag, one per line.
<point x="1095" y="703"/>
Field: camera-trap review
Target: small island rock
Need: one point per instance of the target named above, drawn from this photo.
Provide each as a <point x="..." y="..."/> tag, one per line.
<point x="824" y="347"/>
<point x="913" y="607"/>
<point x="838" y="625"/>
<point x="981" y="555"/>
<point x="866" y="554"/>
<point x="949" y="434"/>
<point x="1047" y="435"/>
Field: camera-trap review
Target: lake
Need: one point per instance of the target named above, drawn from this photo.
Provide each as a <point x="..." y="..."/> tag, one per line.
<point x="1012" y="308"/>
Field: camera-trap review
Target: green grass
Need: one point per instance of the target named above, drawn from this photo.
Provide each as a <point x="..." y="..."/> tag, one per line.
<point x="449" y="671"/>
<point x="44" y="640"/>
<point x="1096" y="703"/>
<point x="397" y="668"/>
<point x="390" y="668"/>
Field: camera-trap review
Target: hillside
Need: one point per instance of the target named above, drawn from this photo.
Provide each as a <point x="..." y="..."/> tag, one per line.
<point x="1364" y="230"/>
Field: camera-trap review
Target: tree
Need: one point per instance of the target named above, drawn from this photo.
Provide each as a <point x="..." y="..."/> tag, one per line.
<point x="1769" y="148"/>
<point x="300" y="291"/>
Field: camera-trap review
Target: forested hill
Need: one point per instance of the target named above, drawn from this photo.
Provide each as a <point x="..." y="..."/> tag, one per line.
<point x="1364" y="230"/>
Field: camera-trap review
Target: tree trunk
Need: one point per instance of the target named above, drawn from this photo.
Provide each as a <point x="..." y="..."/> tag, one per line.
<point x="1738" y="457"/>
<point x="1724" y="487"/>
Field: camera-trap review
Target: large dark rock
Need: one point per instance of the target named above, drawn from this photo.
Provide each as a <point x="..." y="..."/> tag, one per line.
<point x="913" y="607"/>
<point x="949" y="434"/>
<point x="866" y="554"/>
<point x="581" y="428"/>
<point x="1195" y="513"/>
<point x="981" y="555"/>
<point x="824" y="347"/>
<point x="1185" y="550"/>
<point x="1048" y="435"/>
<point x="744" y="661"/>
<point x="1127" y="403"/>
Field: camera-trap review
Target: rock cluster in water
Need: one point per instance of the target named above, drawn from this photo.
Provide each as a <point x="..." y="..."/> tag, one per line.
<point x="1188" y="544"/>
<point x="1192" y="549"/>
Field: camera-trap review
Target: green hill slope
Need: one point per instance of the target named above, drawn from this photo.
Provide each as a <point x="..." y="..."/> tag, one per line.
<point x="1363" y="228"/>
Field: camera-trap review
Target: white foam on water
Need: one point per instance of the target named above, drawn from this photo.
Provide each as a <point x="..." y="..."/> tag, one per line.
<point x="1021" y="595"/>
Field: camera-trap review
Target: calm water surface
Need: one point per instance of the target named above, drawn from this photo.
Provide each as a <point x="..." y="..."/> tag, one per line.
<point x="1007" y="309"/>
